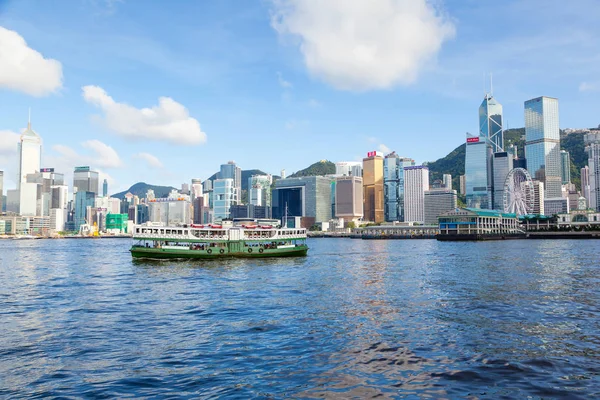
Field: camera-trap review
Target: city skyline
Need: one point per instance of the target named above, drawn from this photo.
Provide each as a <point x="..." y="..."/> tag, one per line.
<point x="251" y="85"/>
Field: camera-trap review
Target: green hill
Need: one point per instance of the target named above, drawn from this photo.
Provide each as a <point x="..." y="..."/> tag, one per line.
<point x="320" y="168"/>
<point x="454" y="163"/>
<point x="139" y="189"/>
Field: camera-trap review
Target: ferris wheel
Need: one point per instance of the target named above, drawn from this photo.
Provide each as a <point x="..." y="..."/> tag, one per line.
<point x="518" y="192"/>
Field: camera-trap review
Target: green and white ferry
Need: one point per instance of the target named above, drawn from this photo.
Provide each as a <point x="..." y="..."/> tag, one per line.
<point x="217" y="241"/>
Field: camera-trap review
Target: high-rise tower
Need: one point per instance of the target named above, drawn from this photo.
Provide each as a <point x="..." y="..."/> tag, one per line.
<point x="373" y="196"/>
<point x="542" y="143"/>
<point x="592" y="146"/>
<point x="490" y="122"/>
<point x="30" y="159"/>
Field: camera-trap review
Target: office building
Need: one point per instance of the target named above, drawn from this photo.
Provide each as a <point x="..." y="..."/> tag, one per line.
<point x="224" y="196"/>
<point x="105" y="188"/>
<point x="436" y="202"/>
<point x="1" y="191"/>
<point x="373" y="192"/>
<point x="447" y="181"/>
<point x="478" y="172"/>
<point x="307" y="197"/>
<point x="85" y="180"/>
<point x="538" y="197"/>
<point x="349" y="198"/>
<point x="282" y="174"/>
<point x="259" y="190"/>
<point x="501" y="166"/>
<point x="557" y="205"/>
<point x="565" y="167"/>
<point x="592" y="147"/>
<point x="463" y="185"/>
<point x="175" y="209"/>
<point x="84" y="202"/>
<point x="185" y="188"/>
<point x="232" y="171"/>
<point x="542" y="143"/>
<point x="348" y="168"/>
<point x="416" y="183"/>
<point x="30" y="159"/>
<point x="199" y="210"/>
<point x="585" y="183"/>
<point x="490" y="123"/>
<point x="196" y="188"/>
<point x="393" y="186"/>
<point x="142" y="213"/>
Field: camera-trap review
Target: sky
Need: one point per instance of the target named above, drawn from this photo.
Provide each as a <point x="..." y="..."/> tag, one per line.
<point x="163" y="92"/>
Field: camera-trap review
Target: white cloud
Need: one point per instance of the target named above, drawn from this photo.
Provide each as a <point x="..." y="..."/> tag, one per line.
<point x="106" y="156"/>
<point x="589" y="87"/>
<point x="364" y="45"/>
<point x="384" y="149"/>
<point x="152" y="161"/>
<point x="24" y="69"/>
<point x="8" y="142"/>
<point x="282" y="82"/>
<point x="169" y="121"/>
<point x="102" y="155"/>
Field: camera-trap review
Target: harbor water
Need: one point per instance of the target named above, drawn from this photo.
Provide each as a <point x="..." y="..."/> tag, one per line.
<point x="354" y="319"/>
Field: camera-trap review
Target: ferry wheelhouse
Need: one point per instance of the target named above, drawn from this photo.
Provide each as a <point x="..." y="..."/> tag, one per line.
<point x="215" y="241"/>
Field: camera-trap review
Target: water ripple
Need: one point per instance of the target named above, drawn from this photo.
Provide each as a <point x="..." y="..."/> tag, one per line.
<point x="355" y="319"/>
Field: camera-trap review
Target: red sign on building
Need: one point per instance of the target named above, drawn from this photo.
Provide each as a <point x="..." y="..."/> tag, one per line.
<point x="371" y="154"/>
<point x="472" y="140"/>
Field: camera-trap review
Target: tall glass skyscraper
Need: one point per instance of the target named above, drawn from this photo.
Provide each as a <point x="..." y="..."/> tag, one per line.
<point x="393" y="186"/>
<point x="565" y="167"/>
<point x="85" y="180"/>
<point x="490" y="122"/>
<point x="592" y="147"/>
<point x="232" y="171"/>
<point x="542" y="143"/>
<point x="478" y="172"/>
<point x="223" y="197"/>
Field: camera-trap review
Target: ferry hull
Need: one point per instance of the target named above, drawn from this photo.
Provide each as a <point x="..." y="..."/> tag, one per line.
<point x="160" y="254"/>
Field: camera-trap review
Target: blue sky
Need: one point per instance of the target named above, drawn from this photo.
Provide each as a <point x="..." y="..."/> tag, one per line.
<point x="279" y="84"/>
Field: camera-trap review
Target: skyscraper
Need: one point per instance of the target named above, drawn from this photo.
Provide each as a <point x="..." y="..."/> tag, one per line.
<point x="416" y="183"/>
<point x="85" y="180"/>
<point x="585" y="183"/>
<point x="373" y="195"/>
<point x="223" y="197"/>
<point x="105" y="188"/>
<point x="592" y="146"/>
<point x="490" y="122"/>
<point x="542" y="143"/>
<point x="393" y="180"/>
<point x="349" y="198"/>
<point x="478" y="172"/>
<point x="308" y="197"/>
<point x="462" y="185"/>
<point x="1" y="190"/>
<point x="447" y="181"/>
<point x="502" y="165"/>
<point x="30" y="156"/>
<point x="232" y="171"/>
<point x="259" y="190"/>
<point x="196" y="188"/>
<point x="565" y="167"/>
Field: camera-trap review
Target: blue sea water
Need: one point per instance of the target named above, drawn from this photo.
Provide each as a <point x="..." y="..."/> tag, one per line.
<point x="354" y="319"/>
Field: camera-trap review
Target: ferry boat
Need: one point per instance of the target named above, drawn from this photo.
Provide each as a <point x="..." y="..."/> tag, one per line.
<point x="217" y="241"/>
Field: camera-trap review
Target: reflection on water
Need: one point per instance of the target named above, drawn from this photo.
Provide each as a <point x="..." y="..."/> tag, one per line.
<point x="354" y="319"/>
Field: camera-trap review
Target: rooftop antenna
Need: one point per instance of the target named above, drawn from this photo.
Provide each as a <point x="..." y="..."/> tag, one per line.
<point x="491" y="85"/>
<point x="29" y="120"/>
